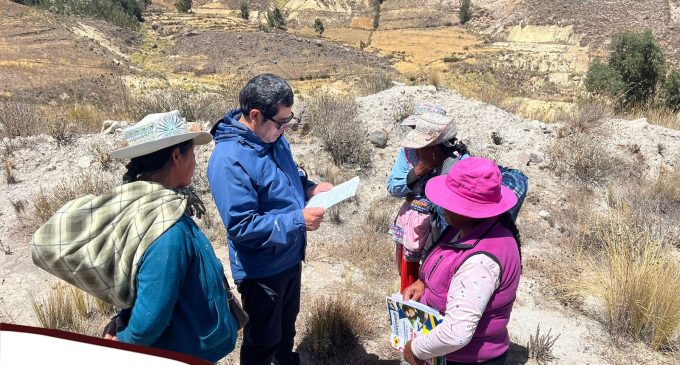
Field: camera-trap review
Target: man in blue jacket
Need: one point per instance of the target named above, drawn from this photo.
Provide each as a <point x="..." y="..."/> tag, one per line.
<point x="261" y="194"/>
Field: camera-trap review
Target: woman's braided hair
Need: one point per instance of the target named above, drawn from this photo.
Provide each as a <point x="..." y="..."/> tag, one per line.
<point x="509" y="223"/>
<point x="456" y="145"/>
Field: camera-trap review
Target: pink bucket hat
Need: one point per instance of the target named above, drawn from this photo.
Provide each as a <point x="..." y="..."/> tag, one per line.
<point x="472" y="189"/>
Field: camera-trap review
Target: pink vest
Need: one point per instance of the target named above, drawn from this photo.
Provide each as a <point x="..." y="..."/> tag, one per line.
<point x="491" y="338"/>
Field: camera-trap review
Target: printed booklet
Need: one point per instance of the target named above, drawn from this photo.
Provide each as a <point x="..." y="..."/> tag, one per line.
<point x="409" y="319"/>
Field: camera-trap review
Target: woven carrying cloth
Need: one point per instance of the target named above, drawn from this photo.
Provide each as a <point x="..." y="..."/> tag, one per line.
<point x="96" y="242"/>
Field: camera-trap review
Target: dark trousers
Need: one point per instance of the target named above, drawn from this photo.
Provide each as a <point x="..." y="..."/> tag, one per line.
<point x="500" y="360"/>
<point x="272" y="303"/>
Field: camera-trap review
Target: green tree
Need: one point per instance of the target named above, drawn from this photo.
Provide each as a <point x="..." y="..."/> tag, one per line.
<point x="133" y="8"/>
<point x="376" y="13"/>
<point x="465" y="11"/>
<point x="318" y="26"/>
<point x="245" y="10"/>
<point x="183" y="6"/>
<point x="603" y="79"/>
<point x="275" y="18"/>
<point x="640" y="61"/>
<point x="27" y="2"/>
<point x="672" y="90"/>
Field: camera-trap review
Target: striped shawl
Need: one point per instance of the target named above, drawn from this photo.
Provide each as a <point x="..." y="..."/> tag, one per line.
<point x="96" y="242"/>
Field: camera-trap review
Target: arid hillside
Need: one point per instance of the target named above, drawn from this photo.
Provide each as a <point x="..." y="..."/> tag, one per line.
<point x="41" y="54"/>
<point x="597" y="21"/>
<point x="599" y="226"/>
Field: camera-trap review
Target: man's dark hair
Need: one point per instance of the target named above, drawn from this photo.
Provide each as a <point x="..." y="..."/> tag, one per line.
<point x="265" y="93"/>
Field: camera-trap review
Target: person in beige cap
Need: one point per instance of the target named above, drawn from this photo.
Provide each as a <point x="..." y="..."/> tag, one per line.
<point x="428" y="150"/>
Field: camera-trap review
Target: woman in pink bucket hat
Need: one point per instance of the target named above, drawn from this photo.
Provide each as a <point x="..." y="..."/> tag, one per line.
<point x="430" y="149"/>
<point x="472" y="273"/>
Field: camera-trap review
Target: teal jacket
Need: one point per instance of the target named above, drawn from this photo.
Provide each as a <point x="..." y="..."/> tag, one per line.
<point x="181" y="303"/>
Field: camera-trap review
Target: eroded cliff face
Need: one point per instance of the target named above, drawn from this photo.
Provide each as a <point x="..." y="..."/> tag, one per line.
<point x="593" y="21"/>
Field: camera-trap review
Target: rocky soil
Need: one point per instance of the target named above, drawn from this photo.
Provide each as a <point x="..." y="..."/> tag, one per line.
<point x="39" y="164"/>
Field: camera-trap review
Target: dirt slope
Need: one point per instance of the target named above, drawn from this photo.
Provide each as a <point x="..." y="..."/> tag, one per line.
<point x="39" y="53"/>
<point x="40" y="164"/>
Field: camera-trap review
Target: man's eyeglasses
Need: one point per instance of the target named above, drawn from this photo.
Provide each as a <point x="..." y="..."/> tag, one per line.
<point x="283" y="123"/>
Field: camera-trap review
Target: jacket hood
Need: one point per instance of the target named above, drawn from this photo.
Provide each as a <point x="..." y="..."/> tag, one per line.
<point x="230" y="129"/>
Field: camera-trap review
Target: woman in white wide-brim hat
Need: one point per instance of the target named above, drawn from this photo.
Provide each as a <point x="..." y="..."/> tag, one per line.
<point x="138" y="248"/>
<point x="181" y="303"/>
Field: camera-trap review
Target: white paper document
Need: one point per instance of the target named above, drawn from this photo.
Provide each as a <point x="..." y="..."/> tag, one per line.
<point x="339" y="193"/>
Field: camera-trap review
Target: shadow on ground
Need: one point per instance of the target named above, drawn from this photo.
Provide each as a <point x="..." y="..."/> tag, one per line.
<point x="354" y="356"/>
<point x="517" y="354"/>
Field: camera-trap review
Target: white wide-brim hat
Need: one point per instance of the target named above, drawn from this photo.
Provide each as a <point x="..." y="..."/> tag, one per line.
<point x="158" y="131"/>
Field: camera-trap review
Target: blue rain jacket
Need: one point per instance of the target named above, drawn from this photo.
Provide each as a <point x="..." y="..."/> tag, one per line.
<point x="259" y="193"/>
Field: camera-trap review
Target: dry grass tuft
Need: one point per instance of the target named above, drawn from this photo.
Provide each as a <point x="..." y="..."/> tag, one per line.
<point x="68" y="308"/>
<point x="334" y="328"/>
<point x="64" y="308"/>
<point x="102" y="155"/>
<point x="47" y="203"/>
<point x="381" y="214"/>
<point x="6" y="248"/>
<point x="19" y="119"/>
<point x="635" y="278"/>
<point x="403" y="111"/>
<point x="8" y="166"/>
<point x="19" y="206"/>
<point x="584" y="118"/>
<point x="333" y="213"/>
<point x="371" y="251"/>
<point x="333" y="118"/>
<point x="59" y="128"/>
<point x="655" y="114"/>
<point x="195" y="107"/>
<point x="102" y="308"/>
<point x="374" y="83"/>
<point x="653" y="205"/>
<point x="579" y="153"/>
<point x="84" y="118"/>
<point x="583" y="158"/>
<point x="334" y="174"/>
<point x="434" y="77"/>
<point x="540" y="346"/>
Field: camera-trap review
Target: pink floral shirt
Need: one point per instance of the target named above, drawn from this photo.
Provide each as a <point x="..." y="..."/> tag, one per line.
<point x="470" y="290"/>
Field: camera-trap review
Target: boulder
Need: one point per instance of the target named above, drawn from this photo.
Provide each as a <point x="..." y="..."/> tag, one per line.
<point x="378" y="138"/>
<point x="85" y="162"/>
<point x="111" y="126"/>
<point x="535" y="158"/>
<point x="524" y="159"/>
